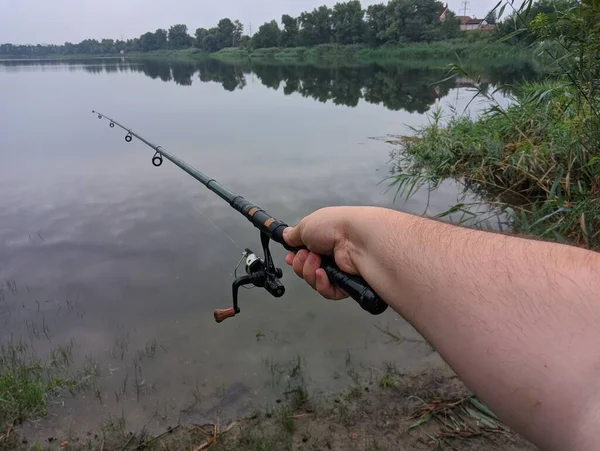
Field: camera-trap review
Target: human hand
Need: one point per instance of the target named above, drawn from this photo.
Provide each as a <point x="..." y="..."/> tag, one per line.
<point x="324" y="232"/>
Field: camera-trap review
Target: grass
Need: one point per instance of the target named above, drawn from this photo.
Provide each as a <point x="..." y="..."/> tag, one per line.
<point x="27" y="383"/>
<point x="536" y="161"/>
<point x="182" y="54"/>
<point x="476" y="49"/>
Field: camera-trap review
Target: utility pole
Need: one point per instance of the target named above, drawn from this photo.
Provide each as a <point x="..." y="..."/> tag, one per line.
<point x="466" y="8"/>
<point x="250" y="29"/>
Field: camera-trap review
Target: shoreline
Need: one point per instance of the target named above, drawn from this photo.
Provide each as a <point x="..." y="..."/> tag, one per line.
<point x="406" y="410"/>
<point x="470" y="52"/>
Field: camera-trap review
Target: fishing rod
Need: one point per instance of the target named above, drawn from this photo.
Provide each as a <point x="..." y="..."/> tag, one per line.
<point x="261" y="272"/>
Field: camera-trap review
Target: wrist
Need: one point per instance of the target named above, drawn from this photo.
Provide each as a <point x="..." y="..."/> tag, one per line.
<point x="371" y="232"/>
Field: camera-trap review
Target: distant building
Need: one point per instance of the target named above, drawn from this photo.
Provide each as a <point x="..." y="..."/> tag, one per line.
<point x="472" y="24"/>
<point x="467" y="23"/>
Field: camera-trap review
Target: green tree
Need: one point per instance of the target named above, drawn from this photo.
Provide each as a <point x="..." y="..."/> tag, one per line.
<point x="200" y="34"/>
<point x="210" y="43"/>
<point x="376" y="25"/>
<point x="147" y="42"/>
<point x="267" y="36"/>
<point x="289" y="34"/>
<point x="238" y="30"/>
<point x="225" y="30"/>
<point x="347" y="21"/>
<point x="317" y="27"/>
<point x="450" y="27"/>
<point x="160" y="39"/>
<point x="179" y="37"/>
<point x="107" y="46"/>
<point x="412" y="20"/>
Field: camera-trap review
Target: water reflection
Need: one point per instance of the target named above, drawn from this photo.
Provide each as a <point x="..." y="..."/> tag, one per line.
<point x="396" y="87"/>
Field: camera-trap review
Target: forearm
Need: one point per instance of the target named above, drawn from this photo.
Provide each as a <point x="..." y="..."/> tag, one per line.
<point x="517" y="319"/>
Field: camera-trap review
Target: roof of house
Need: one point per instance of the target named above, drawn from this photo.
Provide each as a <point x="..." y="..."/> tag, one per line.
<point x="474" y="22"/>
<point x="443" y="9"/>
<point x="464" y="19"/>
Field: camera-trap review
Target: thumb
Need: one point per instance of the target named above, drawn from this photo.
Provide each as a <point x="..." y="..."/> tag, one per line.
<point x="292" y="236"/>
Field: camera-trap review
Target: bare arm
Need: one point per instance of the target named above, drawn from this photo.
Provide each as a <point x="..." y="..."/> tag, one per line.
<point x="517" y="319"/>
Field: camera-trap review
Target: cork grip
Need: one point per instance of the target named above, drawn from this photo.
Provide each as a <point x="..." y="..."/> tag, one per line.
<point x="222" y="314"/>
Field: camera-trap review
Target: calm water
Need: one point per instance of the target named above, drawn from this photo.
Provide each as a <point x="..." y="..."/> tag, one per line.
<point x="119" y="256"/>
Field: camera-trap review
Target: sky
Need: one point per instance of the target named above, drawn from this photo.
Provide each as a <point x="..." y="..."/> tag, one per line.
<point x="57" y="21"/>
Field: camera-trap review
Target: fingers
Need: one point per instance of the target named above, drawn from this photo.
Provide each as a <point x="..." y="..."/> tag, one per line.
<point x="307" y="266"/>
<point x="293" y="236"/>
<point x="309" y="271"/>
<point x="325" y="288"/>
<point x="298" y="262"/>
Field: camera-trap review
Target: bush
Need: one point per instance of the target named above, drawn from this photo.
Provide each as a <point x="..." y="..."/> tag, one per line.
<point x="537" y="160"/>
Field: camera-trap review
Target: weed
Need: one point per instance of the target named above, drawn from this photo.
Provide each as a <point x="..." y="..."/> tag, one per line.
<point x="536" y="161"/>
<point x="253" y="442"/>
<point x="390" y="378"/>
<point x="288" y="422"/>
<point x="355" y="392"/>
<point x="26" y="382"/>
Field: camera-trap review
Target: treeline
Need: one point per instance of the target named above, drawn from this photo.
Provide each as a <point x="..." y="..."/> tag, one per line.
<point x="345" y="23"/>
<point x="177" y="37"/>
<point x="348" y="23"/>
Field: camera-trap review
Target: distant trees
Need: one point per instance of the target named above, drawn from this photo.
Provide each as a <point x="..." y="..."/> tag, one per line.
<point x="346" y="23"/>
<point x="289" y="35"/>
<point x="179" y="38"/>
<point x="153" y="41"/>
<point x="316" y="27"/>
<point x="376" y="25"/>
<point x="227" y="33"/>
<point x="268" y="35"/>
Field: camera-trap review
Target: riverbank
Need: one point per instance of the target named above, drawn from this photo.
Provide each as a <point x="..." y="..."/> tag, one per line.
<point x="391" y="411"/>
<point x="469" y="49"/>
<point x="535" y="161"/>
<point x="477" y="50"/>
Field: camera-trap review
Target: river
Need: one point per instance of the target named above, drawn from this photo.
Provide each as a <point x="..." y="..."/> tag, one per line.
<point x="126" y="262"/>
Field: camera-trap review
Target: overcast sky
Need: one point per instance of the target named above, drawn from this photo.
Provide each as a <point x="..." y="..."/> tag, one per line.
<point x="57" y="21"/>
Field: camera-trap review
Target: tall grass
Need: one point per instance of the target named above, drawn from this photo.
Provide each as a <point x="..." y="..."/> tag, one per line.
<point x="480" y="51"/>
<point x="538" y="159"/>
<point x="27" y="382"/>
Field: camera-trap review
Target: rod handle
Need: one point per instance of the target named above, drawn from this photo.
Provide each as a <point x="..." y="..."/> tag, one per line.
<point x="222" y="314"/>
<point x="355" y="286"/>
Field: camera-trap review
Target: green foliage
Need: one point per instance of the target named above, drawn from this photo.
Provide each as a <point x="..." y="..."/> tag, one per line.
<point x="26" y="382"/>
<point x="537" y="158"/>
<point x="376" y="25"/>
<point x="153" y="41"/>
<point x="289" y="34"/>
<point x="517" y="26"/>
<point x="268" y="35"/>
<point x="316" y="27"/>
<point x="412" y="20"/>
<point x="348" y="23"/>
<point x="178" y="37"/>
